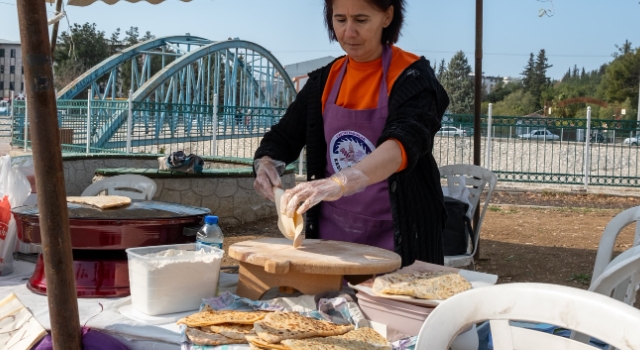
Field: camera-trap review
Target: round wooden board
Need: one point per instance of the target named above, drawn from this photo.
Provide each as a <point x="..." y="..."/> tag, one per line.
<point x="316" y="256"/>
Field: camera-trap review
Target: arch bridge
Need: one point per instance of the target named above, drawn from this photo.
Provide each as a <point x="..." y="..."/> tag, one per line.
<point x="173" y="90"/>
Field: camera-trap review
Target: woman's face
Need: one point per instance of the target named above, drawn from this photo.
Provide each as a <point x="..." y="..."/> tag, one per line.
<point x="358" y="26"/>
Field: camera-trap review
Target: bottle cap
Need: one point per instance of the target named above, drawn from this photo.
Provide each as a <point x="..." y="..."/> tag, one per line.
<point x="211" y="220"/>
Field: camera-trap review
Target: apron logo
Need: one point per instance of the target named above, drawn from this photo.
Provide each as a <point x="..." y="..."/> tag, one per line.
<point x="348" y="148"/>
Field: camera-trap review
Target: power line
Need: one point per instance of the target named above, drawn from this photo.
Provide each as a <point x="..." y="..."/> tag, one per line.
<point x="453" y="52"/>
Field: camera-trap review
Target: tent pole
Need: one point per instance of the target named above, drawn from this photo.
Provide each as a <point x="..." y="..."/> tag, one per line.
<point x="47" y="157"/>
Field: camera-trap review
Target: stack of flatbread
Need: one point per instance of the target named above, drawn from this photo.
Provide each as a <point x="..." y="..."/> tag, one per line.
<point x="277" y="330"/>
<point x="210" y="327"/>
<point x="433" y="285"/>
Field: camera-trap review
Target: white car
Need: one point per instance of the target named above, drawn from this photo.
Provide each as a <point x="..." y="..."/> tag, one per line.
<point x="633" y="141"/>
<point x="451" y="131"/>
<point x="540" y="135"/>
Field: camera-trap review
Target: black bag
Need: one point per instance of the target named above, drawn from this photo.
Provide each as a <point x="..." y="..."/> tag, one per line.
<point x="458" y="230"/>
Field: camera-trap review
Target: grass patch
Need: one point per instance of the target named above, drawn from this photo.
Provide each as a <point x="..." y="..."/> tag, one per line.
<point x="582" y="278"/>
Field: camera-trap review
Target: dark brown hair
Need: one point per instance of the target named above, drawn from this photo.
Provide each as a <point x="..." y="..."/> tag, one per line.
<point x="390" y="35"/>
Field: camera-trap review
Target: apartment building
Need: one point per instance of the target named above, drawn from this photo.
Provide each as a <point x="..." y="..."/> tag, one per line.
<point x="11" y="70"/>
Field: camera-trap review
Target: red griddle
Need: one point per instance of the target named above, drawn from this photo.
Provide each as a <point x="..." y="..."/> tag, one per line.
<point x="99" y="239"/>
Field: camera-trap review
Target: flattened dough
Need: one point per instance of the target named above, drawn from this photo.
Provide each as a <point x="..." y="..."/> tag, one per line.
<point x="290" y="227"/>
<point x="102" y="202"/>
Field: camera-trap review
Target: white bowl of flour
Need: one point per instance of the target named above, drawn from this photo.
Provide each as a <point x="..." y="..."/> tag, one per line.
<point x="172" y="278"/>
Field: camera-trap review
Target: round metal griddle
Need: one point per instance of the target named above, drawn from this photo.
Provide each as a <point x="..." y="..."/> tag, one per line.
<point x="142" y="223"/>
<point x="99" y="238"/>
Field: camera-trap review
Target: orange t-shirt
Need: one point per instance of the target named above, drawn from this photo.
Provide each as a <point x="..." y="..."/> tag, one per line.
<point x="361" y="84"/>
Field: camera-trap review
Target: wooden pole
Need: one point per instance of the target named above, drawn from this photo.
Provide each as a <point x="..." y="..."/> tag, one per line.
<point x="477" y="110"/>
<point x="47" y="157"/>
<point x="54" y="31"/>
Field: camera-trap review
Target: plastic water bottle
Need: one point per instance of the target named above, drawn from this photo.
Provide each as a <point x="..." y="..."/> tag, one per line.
<point x="210" y="234"/>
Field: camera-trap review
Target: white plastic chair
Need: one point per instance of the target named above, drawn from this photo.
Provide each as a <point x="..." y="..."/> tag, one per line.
<point x="132" y="186"/>
<point x="609" y="236"/>
<point x="602" y="317"/>
<point x="476" y="178"/>
<point x="620" y="280"/>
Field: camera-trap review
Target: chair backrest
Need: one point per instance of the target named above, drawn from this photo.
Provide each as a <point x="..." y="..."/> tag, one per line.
<point x="609" y="236"/>
<point x="621" y="278"/>
<point x="609" y="320"/>
<point x="476" y="178"/>
<point x="132" y="186"/>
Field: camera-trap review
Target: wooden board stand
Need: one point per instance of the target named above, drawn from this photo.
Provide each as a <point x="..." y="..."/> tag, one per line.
<point x="318" y="266"/>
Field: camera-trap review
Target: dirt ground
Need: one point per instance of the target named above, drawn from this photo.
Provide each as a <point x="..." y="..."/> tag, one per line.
<point x="526" y="236"/>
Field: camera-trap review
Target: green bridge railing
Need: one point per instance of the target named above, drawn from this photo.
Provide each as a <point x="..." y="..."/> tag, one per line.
<point x="518" y="149"/>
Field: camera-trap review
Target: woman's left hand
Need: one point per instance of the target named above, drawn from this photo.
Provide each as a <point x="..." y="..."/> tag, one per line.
<point x="343" y="183"/>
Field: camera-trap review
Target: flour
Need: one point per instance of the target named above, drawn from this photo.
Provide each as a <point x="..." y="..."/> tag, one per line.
<point x="173" y="280"/>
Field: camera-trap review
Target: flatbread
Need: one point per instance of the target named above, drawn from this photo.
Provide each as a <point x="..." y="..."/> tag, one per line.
<point x="102" y="202"/>
<point x="210" y="318"/>
<point x="202" y="338"/>
<point x="279" y="326"/>
<point x="289" y="227"/>
<point x="233" y="331"/>
<point x="433" y="285"/>
<point x="359" y="339"/>
<point x="258" y="343"/>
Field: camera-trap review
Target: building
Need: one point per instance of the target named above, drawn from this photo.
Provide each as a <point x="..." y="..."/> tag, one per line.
<point x="11" y="70"/>
<point x="298" y="72"/>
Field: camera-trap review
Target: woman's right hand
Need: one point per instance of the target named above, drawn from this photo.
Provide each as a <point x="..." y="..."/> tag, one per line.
<point x="268" y="173"/>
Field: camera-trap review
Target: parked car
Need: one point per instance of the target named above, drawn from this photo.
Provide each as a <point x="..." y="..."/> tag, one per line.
<point x="540" y="135"/>
<point x="633" y="141"/>
<point x="451" y="131"/>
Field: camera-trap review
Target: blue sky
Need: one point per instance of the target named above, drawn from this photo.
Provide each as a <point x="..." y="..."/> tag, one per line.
<point x="581" y="32"/>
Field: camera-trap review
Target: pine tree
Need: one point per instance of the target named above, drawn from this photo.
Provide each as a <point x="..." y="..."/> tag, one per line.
<point x="441" y="70"/>
<point x="528" y="73"/>
<point x="540" y="81"/>
<point x="457" y="82"/>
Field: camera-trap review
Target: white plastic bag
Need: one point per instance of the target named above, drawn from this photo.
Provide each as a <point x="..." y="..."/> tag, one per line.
<point x="14" y="190"/>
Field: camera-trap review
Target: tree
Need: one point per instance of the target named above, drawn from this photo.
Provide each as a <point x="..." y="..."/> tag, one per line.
<point x="623" y="49"/>
<point x="527" y="74"/>
<point x="77" y="51"/>
<point x="621" y="79"/>
<point x="518" y="103"/>
<point x="457" y="82"/>
<point x="535" y="79"/>
<point x="502" y="90"/>
<point x="441" y="70"/>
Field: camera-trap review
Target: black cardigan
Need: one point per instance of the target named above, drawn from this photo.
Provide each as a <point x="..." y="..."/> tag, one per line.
<point x="416" y="105"/>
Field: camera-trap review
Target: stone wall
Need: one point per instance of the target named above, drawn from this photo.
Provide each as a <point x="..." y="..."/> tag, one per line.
<point x="79" y="171"/>
<point x="226" y="191"/>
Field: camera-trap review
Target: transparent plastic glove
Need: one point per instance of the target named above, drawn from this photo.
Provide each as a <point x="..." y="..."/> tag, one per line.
<point x="268" y="172"/>
<point x="343" y="183"/>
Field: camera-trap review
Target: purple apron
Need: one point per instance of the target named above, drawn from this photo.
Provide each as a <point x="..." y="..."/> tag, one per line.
<point x="364" y="217"/>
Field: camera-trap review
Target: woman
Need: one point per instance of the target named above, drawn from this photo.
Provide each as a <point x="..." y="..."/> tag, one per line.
<point x="368" y="121"/>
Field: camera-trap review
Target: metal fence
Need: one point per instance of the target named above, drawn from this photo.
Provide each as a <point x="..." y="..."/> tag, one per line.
<point x="546" y="150"/>
<point x="154" y="128"/>
<point x="518" y="149"/>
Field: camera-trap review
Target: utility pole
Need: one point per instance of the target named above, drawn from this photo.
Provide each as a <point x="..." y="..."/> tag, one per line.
<point x="637" y="126"/>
